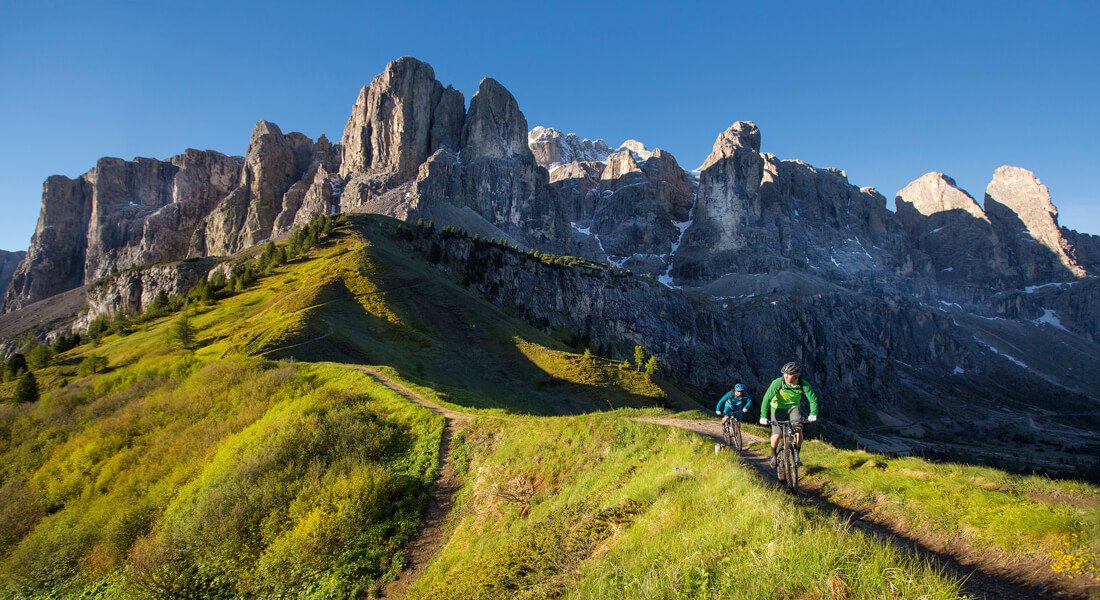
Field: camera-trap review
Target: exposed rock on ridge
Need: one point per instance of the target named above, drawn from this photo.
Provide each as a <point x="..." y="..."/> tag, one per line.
<point x="118" y="215"/>
<point x="1022" y="213"/>
<point x="278" y="170"/>
<point x="551" y="148"/>
<point x="9" y="262"/>
<point x="396" y="123"/>
<point x="757" y="214"/>
<point x="493" y="186"/>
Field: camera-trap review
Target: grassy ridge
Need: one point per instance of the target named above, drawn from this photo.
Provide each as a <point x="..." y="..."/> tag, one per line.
<point x="601" y="506"/>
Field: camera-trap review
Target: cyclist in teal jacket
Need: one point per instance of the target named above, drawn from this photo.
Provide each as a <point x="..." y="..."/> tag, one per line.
<point x="734" y="404"/>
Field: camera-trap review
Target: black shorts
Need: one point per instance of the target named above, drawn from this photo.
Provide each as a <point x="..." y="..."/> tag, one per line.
<point x="793" y="415"/>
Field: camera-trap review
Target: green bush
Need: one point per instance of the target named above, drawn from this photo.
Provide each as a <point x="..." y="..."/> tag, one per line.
<point x="90" y="365"/>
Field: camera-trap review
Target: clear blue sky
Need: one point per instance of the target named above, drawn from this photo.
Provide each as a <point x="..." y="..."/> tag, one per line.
<point x="884" y="90"/>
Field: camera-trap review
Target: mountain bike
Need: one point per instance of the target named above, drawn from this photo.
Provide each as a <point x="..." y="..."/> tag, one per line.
<point x="786" y="461"/>
<point x="731" y="429"/>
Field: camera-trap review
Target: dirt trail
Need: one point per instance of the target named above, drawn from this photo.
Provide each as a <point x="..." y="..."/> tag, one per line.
<point x="976" y="582"/>
<point x="421" y="550"/>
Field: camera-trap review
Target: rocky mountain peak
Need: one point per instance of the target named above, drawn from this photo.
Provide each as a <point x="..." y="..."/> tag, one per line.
<point x="934" y="193"/>
<point x="637" y="148"/>
<point x="263" y="128"/>
<point x="742" y="135"/>
<point x="495" y="127"/>
<point x="389" y="131"/>
<point x="620" y="164"/>
<point x="1020" y="204"/>
<point x="552" y="148"/>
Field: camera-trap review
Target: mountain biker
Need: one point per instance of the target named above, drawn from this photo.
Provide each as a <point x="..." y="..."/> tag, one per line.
<point x="734" y="404"/>
<point x="783" y="398"/>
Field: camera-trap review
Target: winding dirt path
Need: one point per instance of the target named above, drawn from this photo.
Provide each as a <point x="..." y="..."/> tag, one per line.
<point x="977" y="582"/>
<point x="431" y="537"/>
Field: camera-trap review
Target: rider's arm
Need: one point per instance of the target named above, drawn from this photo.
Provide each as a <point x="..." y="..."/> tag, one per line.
<point x="766" y="402"/>
<point x="748" y="402"/>
<point x="722" y="401"/>
<point x="810" y="396"/>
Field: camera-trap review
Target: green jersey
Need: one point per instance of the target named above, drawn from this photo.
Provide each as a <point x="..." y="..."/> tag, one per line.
<point x="781" y="395"/>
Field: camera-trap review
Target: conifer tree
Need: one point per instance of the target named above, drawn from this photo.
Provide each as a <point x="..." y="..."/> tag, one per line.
<point x="27" y="388"/>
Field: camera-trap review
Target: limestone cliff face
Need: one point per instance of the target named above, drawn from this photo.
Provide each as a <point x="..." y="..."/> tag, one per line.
<point x="1026" y="222"/>
<point x="552" y="148"/>
<point x="278" y="170"/>
<point x="755" y="214"/>
<point x="55" y="259"/>
<point x="397" y="121"/>
<point x="9" y="262"/>
<point x="133" y="290"/>
<point x="118" y="215"/>
<point x="493" y="185"/>
<point x="945" y="223"/>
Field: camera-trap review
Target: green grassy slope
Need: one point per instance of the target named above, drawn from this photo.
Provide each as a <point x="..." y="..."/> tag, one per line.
<point x="257" y="465"/>
<point x="599" y="506"/>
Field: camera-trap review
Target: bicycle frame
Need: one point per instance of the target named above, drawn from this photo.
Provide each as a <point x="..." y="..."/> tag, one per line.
<point x="785" y="465"/>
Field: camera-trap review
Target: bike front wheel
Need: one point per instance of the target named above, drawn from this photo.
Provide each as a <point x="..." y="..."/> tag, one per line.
<point x="792" y="469"/>
<point x="737" y="442"/>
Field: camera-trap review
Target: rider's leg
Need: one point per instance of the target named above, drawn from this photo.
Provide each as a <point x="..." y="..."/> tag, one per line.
<point x="796" y="417"/>
<point x="775" y="438"/>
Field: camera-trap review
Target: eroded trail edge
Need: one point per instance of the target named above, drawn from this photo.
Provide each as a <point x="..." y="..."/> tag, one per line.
<point x="420" y="551"/>
<point x="978" y="580"/>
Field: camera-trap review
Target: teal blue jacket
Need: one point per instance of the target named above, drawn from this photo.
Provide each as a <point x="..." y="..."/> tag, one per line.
<point x="733" y="403"/>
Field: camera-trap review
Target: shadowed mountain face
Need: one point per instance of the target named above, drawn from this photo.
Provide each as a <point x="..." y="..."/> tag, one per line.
<point x="754" y="259"/>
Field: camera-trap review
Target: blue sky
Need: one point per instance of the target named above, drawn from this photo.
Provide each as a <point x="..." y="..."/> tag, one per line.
<point x="884" y="90"/>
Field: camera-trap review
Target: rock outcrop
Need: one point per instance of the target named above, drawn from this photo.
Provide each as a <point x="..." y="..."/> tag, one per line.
<point x="9" y="262"/>
<point x="945" y="223"/>
<point x="397" y="122"/>
<point x="134" y="290"/>
<point x="1026" y="222"/>
<point x="757" y="214"/>
<point x="493" y="185"/>
<point x="551" y="148"/>
<point x="119" y="215"/>
<point x="278" y="169"/>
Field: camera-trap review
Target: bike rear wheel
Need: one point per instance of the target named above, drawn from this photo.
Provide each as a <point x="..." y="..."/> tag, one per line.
<point x="727" y="431"/>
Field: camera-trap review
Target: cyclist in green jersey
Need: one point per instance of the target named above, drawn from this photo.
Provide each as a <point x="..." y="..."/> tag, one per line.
<point x="783" y="398"/>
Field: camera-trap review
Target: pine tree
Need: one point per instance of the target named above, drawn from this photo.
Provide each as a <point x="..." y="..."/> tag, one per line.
<point x="27" y="388"/>
<point x="651" y="367"/>
<point x="587" y="354"/>
<point x="40" y="357"/>
<point x="639" y="357"/>
<point x="182" y="331"/>
<point x="16" y="364"/>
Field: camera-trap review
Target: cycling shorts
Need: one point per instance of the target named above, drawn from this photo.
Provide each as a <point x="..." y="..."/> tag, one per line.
<point x="794" y="415"/>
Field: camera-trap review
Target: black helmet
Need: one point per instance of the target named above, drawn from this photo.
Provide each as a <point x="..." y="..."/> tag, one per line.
<point x="791" y="368"/>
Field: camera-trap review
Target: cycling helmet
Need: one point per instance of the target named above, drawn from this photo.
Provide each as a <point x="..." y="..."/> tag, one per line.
<point x="739" y="387"/>
<point x="792" y="368"/>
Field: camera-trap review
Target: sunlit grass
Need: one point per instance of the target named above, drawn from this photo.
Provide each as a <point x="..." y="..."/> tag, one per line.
<point x="603" y="507"/>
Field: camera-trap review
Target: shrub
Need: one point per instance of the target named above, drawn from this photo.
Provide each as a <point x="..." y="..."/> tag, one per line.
<point x="91" y="365"/>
